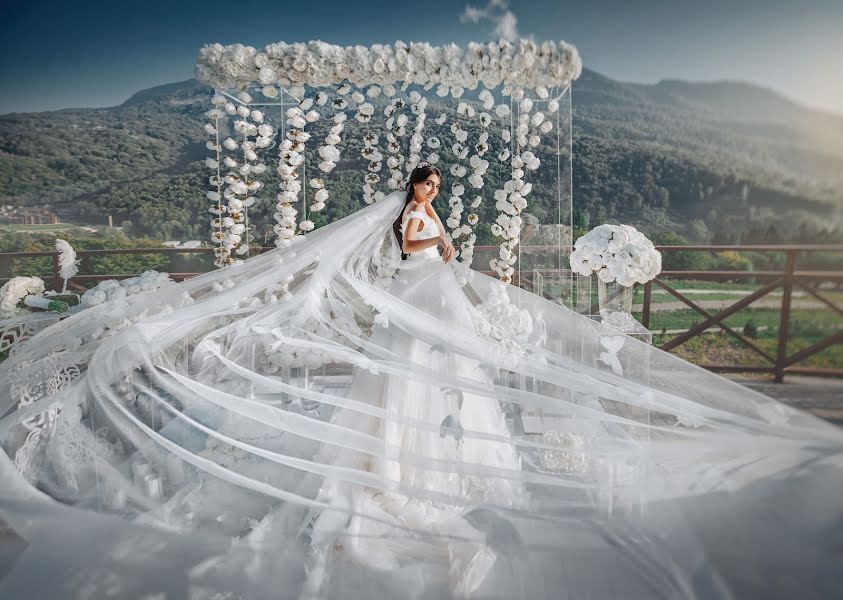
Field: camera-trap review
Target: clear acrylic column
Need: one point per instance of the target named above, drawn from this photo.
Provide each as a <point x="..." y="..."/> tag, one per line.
<point x="546" y="236"/>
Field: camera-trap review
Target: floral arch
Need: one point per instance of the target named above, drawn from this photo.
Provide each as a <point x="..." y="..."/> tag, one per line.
<point x="295" y="107"/>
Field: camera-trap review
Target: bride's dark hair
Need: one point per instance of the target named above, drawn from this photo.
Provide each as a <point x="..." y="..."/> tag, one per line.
<point x="419" y="174"/>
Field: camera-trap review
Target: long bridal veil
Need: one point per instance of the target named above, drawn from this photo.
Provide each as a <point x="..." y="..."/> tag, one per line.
<point x="229" y="436"/>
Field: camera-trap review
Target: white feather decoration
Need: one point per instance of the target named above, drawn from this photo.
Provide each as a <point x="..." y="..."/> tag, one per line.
<point x="68" y="265"/>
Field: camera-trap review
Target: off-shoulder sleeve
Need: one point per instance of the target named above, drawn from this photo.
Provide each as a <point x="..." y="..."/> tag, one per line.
<point x="410" y="215"/>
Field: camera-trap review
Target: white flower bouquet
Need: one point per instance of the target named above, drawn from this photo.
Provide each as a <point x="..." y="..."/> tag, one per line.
<point x="618" y="253"/>
<point x="15" y="290"/>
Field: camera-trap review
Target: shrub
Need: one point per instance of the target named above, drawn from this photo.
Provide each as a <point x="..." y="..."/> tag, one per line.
<point x="750" y="330"/>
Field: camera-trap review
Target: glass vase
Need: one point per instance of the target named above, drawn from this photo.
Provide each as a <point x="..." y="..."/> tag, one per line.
<point x="615" y="303"/>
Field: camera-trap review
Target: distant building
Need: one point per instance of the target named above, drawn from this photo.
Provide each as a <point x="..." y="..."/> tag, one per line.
<point x="28" y="215"/>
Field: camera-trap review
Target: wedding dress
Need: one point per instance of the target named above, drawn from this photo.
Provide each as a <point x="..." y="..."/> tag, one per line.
<point x="328" y="420"/>
<point x="426" y="282"/>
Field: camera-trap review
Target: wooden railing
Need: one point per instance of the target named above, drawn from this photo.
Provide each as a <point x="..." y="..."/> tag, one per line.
<point x="785" y="279"/>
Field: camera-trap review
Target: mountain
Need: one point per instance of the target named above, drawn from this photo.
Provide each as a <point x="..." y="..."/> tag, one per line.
<point x="173" y="93"/>
<point x="740" y="120"/>
<point x="739" y="157"/>
<point x="721" y="161"/>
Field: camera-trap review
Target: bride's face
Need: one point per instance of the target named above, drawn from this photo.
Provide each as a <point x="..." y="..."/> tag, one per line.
<point x="426" y="190"/>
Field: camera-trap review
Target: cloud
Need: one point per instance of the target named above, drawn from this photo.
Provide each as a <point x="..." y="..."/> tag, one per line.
<point x="504" y="21"/>
<point x="507" y="26"/>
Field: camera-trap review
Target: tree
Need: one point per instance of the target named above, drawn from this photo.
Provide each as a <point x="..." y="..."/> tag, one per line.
<point x="677" y="260"/>
<point x="772" y="236"/>
<point x="698" y="231"/>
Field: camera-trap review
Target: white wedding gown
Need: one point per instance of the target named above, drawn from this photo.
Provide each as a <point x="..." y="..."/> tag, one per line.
<point x="426" y="282"/>
<point x="328" y="421"/>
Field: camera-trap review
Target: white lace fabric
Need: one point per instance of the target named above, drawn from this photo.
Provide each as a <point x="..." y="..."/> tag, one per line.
<point x="329" y="420"/>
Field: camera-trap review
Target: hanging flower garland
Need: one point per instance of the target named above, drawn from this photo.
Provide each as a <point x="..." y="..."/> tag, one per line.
<point x="234" y="190"/>
<point x="418" y="104"/>
<point x="331" y="145"/>
<point x="460" y="149"/>
<point x="393" y="145"/>
<point x="251" y="125"/>
<point x="232" y="185"/>
<point x="479" y="166"/>
<point x="290" y="158"/>
<point x="292" y="174"/>
<point x="329" y="154"/>
<point x="217" y="208"/>
<point x="434" y="143"/>
<point x="511" y="199"/>
<point x="372" y="154"/>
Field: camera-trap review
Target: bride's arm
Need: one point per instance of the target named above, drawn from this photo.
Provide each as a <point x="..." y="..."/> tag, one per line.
<point x="410" y="244"/>
<point x="449" y="250"/>
<point x="436" y="218"/>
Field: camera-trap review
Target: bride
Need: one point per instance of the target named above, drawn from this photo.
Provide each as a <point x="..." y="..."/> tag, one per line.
<point x="424" y="281"/>
<point x="331" y="419"/>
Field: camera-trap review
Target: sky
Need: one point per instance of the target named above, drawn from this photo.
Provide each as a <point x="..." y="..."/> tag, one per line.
<point x="92" y="53"/>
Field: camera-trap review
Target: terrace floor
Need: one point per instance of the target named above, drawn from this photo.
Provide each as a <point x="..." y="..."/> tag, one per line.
<point x="819" y="396"/>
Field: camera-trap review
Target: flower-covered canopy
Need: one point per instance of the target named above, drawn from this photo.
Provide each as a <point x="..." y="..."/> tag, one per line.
<point x="521" y="64"/>
<point x="318" y="78"/>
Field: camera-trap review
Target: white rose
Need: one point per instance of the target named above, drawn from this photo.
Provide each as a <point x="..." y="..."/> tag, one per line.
<point x="605" y="275"/>
<point x="267" y="76"/>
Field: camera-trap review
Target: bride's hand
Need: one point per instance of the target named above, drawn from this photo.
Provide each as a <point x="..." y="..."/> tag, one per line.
<point x="448" y="250"/>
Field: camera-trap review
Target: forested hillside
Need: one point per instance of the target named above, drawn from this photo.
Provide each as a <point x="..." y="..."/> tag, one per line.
<point x="711" y="162"/>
